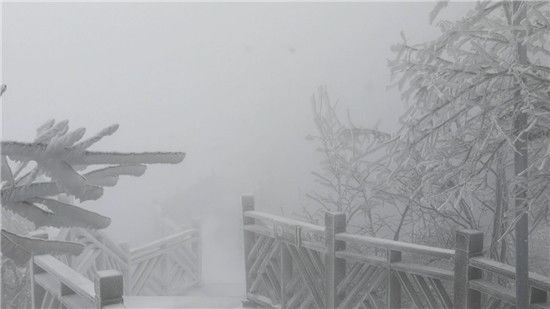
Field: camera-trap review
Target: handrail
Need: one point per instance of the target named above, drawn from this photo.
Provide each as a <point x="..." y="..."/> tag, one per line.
<point x="68" y="276"/>
<point x="265" y="216"/>
<point x="395" y="245"/>
<point x="164" y="242"/>
<point x="262" y="230"/>
<point x="509" y="271"/>
<point x="70" y="288"/>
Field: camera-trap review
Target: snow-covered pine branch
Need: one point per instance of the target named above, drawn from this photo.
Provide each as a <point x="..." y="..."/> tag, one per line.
<point x="35" y="173"/>
<point x="75" y="156"/>
<point x="20" y="248"/>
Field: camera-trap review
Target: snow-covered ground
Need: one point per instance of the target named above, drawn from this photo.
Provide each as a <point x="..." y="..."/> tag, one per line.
<point x="208" y="295"/>
<point x="181" y="302"/>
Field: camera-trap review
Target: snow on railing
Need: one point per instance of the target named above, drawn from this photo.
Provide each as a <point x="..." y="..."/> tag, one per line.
<point x="56" y="285"/>
<point x="294" y="264"/>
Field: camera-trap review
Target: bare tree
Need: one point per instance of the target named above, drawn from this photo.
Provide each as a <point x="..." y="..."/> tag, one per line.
<point x="479" y="101"/>
<point x="356" y="173"/>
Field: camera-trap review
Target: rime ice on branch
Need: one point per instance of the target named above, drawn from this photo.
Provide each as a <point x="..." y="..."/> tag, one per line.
<point x="480" y="121"/>
<point x="58" y="162"/>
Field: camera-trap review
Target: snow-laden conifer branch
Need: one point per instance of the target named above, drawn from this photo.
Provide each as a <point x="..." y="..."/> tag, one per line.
<point x="75" y="156"/>
<point x="20" y="249"/>
<point x="58" y="156"/>
<point x="57" y="214"/>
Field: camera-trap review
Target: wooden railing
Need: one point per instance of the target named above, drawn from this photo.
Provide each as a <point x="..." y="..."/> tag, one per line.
<point x="55" y="285"/>
<point x="168" y="266"/>
<point x="294" y="264"/>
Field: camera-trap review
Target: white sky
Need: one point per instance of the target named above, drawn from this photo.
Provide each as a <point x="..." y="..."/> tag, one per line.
<point x="230" y="84"/>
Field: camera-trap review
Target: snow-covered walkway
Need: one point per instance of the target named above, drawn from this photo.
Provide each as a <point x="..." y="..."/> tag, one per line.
<point x="152" y="302"/>
<point x="214" y="295"/>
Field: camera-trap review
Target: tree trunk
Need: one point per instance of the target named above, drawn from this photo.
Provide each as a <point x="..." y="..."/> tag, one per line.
<point x="500" y="183"/>
<point x="520" y="170"/>
<point x="522" y="225"/>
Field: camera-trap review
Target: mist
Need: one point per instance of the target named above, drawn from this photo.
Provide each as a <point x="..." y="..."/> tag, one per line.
<point x="229" y="84"/>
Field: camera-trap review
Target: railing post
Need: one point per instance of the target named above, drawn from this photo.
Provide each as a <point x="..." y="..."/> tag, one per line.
<point x="109" y="287"/>
<point x="197" y="247"/>
<point x="335" y="268"/>
<point x="469" y="243"/>
<point x="247" y="202"/>
<point x="394" y="286"/>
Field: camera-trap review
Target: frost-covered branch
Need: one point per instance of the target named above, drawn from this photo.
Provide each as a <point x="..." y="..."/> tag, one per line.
<point x="34" y="174"/>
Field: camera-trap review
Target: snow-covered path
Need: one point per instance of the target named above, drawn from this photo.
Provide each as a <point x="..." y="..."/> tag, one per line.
<point x="181" y="302"/>
<point x="213" y="295"/>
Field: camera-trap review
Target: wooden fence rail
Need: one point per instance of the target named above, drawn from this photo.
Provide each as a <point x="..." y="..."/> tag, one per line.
<point x="294" y="264"/>
<point x="54" y="284"/>
<point x="167" y="266"/>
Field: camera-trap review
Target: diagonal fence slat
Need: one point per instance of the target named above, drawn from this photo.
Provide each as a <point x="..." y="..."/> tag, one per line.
<point x="182" y="265"/>
<point x="144" y="276"/>
<point x="251" y="256"/>
<point x="441" y="293"/>
<point x="409" y="288"/>
<point x="356" y="271"/>
<point x="313" y="269"/>
<point x="375" y="303"/>
<point x="263" y="253"/>
<point x="262" y="264"/>
<point x="137" y="271"/>
<point x="315" y="261"/>
<point x="273" y="277"/>
<point x="426" y="291"/>
<point x="179" y="256"/>
<point x="269" y="284"/>
<point x="306" y="276"/>
<point x="294" y="300"/>
<point x="365" y="285"/>
<point x="359" y="285"/>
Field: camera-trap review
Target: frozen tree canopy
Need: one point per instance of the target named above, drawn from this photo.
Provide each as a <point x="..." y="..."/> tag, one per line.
<point x="478" y="98"/>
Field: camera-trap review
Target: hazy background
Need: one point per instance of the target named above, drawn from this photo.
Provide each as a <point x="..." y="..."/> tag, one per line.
<point x="230" y="84"/>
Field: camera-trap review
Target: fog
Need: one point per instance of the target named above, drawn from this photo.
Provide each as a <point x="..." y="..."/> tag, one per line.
<point x="229" y="84"/>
